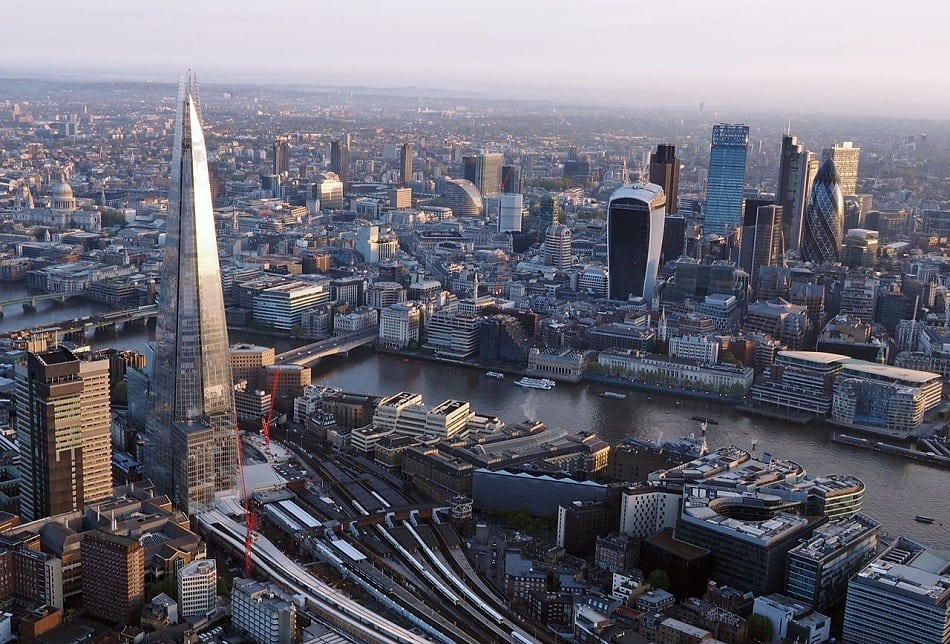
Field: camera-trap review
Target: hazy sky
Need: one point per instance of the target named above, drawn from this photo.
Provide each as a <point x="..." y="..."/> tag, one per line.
<point x="842" y="56"/>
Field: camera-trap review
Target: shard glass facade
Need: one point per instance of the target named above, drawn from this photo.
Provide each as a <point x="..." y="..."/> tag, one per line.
<point x="824" y="220"/>
<point x="191" y="392"/>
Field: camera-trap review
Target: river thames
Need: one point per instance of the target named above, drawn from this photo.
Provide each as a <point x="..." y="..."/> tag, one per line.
<point x="897" y="489"/>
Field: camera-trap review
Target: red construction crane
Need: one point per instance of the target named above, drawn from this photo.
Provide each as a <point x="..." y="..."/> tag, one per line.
<point x="500" y="278"/>
<point x="250" y="517"/>
<point x="266" y="422"/>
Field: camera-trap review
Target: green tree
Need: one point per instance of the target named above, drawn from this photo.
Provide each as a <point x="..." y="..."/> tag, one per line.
<point x="660" y="579"/>
<point x="120" y="393"/>
<point x="760" y="628"/>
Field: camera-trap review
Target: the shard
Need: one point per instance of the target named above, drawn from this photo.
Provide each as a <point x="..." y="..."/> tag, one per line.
<point x="190" y="451"/>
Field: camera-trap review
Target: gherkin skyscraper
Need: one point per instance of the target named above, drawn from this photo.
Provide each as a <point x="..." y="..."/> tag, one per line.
<point x="823" y="232"/>
<point x="191" y="452"/>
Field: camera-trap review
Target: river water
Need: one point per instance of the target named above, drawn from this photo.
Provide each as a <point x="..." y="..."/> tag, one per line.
<point x="897" y="489"/>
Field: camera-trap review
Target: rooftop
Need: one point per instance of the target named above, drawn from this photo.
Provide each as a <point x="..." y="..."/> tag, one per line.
<point x="889" y="372"/>
<point x="831" y="537"/>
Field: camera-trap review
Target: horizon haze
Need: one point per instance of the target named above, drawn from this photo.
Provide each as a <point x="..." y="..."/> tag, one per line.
<point x="729" y="55"/>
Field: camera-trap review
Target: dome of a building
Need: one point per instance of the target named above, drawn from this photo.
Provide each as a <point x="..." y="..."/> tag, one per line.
<point x="62" y="195"/>
<point x="62" y="190"/>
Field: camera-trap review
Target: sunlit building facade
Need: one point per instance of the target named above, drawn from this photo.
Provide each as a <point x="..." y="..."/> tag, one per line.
<point x="727" y="161"/>
<point x="190" y="450"/>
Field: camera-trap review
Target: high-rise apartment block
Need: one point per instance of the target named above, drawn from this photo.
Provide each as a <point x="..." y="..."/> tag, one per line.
<point x="191" y="451"/>
<point x="113" y="576"/>
<point x="845" y="158"/>
<point x="727" y="162"/>
<point x="635" y="218"/>
<point x="665" y="172"/>
<point x="484" y="170"/>
<point x="63" y="425"/>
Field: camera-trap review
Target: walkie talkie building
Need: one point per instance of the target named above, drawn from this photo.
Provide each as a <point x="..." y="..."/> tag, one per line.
<point x="635" y="218"/>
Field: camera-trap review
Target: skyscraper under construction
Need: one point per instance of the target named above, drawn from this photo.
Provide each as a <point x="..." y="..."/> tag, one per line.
<point x="191" y="451"/>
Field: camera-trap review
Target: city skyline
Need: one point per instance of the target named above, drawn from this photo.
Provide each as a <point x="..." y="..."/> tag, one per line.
<point x="705" y="61"/>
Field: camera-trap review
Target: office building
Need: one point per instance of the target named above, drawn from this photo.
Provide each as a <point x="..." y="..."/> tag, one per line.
<point x="674" y="238"/>
<point x="824" y="218"/>
<point x="197" y="588"/>
<point x="113" y="576"/>
<point x="635" y="218"/>
<point x="792" y="621"/>
<point x="665" y="172"/>
<point x="510" y="211"/>
<point x="761" y="238"/>
<point x="549" y="212"/>
<point x="511" y="180"/>
<point x="579" y="524"/>
<point x="819" y="569"/>
<point x="405" y="164"/>
<point x="63" y="427"/>
<point x="280" y="307"/>
<point x="797" y="171"/>
<point x="727" y="162"/>
<point x="878" y="397"/>
<point x="191" y="390"/>
<point x="264" y="613"/>
<point x="400" y="198"/>
<point x="557" y="247"/>
<point x="327" y="191"/>
<point x="903" y="595"/>
<point x="399" y="325"/>
<point x="800" y="381"/>
<point x="845" y="157"/>
<point x="484" y="171"/>
<point x="861" y="247"/>
<point x="340" y="158"/>
<point x="281" y="155"/>
<point x="463" y="197"/>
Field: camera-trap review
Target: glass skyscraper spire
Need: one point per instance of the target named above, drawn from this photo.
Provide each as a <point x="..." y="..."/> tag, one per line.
<point x="727" y="158"/>
<point x="191" y="451"/>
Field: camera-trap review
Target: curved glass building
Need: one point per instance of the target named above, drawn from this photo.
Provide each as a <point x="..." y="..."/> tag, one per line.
<point x="635" y="218"/>
<point x="823" y="231"/>
<point x="463" y="197"/>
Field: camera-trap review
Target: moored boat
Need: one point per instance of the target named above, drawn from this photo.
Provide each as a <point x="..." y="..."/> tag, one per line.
<point x="535" y="383"/>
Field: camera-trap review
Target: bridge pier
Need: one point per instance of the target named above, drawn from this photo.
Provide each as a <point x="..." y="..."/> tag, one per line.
<point x="30" y="307"/>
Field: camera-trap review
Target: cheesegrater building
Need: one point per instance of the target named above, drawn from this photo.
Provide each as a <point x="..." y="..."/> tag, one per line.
<point x="190" y="449"/>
